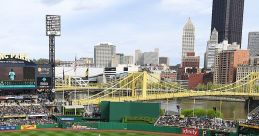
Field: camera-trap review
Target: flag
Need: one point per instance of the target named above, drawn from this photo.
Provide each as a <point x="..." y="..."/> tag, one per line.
<point x="75" y="64"/>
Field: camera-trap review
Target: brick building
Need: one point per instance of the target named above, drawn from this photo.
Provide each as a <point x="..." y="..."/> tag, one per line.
<point x="170" y="76"/>
<point x="226" y="65"/>
<point x="194" y="80"/>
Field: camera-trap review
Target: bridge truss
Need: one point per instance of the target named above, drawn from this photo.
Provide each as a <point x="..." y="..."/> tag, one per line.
<point x="143" y="86"/>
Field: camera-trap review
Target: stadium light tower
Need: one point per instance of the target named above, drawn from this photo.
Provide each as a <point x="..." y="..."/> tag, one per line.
<point x="53" y="28"/>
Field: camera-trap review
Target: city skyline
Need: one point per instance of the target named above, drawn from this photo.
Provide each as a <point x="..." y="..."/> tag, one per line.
<point x="128" y="25"/>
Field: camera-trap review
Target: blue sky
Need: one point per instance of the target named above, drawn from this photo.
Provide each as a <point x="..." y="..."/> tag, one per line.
<point x="128" y="24"/>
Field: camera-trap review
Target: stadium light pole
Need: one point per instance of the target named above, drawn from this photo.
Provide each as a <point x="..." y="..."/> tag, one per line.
<point x="53" y="28"/>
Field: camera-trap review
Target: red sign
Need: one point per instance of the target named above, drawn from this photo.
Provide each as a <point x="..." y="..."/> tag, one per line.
<point x="190" y="132"/>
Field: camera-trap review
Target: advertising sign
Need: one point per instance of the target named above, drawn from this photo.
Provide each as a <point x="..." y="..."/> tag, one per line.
<point x="27" y="127"/>
<point x="190" y="132"/>
<point x="44" y="82"/>
<point x="217" y="133"/>
<point x="67" y="119"/>
<point x="44" y="70"/>
<point x="7" y="128"/>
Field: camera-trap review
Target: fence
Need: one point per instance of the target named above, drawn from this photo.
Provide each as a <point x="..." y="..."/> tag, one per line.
<point x="152" y="128"/>
<point x="47" y="126"/>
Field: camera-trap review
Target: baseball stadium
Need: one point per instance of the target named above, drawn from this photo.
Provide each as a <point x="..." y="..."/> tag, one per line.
<point x="45" y="100"/>
<point x="28" y="107"/>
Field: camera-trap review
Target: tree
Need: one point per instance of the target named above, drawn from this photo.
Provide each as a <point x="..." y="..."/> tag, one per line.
<point x="42" y="61"/>
<point x="201" y="113"/>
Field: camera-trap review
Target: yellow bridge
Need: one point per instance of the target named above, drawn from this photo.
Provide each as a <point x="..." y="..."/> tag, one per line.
<point x="143" y="86"/>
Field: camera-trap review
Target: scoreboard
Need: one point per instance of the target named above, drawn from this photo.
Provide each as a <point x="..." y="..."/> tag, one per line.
<point x="17" y="75"/>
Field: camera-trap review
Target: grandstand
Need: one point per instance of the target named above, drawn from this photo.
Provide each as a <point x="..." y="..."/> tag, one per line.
<point x="20" y="102"/>
<point x="195" y="122"/>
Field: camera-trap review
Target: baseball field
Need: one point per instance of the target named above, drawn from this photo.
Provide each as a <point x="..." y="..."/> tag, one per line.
<point x="49" y="132"/>
<point x="70" y="133"/>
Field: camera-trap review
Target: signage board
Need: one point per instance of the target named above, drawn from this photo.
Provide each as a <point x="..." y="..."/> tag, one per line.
<point x="53" y="25"/>
<point x="67" y="119"/>
<point x="43" y="82"/>
<point x="190" y="132"/>
<point x="7" y="128"/>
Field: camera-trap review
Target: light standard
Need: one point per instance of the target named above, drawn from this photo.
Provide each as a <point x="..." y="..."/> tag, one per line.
<point x="53" y="28"/>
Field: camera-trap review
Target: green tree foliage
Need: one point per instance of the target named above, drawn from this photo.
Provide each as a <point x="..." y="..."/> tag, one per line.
<point x="201" y="113"/>
<point x="42" y="61"/>
<point x="210" y="86"/>
<point x="45" y="61"/>
<point x="162" y="112"/>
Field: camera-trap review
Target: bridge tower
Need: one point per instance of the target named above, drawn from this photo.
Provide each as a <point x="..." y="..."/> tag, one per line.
<point x="144" y="85"/>
<point x="252" y="82"/>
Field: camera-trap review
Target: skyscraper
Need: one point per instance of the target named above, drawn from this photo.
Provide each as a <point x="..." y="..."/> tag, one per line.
<point x="210" y="50"/>
<point x="147" y="58"/>
<point x="164" y="60"/>
<point x="227" y="18"/>
<point x="253" y="43"/>
<point x="190" y="62"/>
<point x="138" y="57"/>
<point x="150" y="58"/>
<point x="103" y="55"/>
<point x="188" y="38"/>
<point x="227" y="58"/>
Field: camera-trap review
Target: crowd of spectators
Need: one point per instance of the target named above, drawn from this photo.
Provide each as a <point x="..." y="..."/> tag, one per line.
<point x="194" y="122"/>
<point x="15" y="113"/>
<point x="24" y="121"/>
<point x="253" y="118"/>
<point x="17" y="110"/>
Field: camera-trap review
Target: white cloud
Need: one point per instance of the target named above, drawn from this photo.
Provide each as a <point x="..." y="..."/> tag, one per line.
<point x="188" y="7"/>
<point x="23" y="23"/>
<point x="86" y="5"/>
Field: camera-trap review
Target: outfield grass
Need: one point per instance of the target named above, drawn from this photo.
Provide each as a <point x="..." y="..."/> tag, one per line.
<point x="71" y="133"/>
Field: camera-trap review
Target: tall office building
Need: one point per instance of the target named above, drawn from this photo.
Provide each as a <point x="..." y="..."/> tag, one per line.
<point x="190" y="62"/>
<point x="119" y="58"/>
<point x="188" y="38"/>
<point x="147" y="58"/>
<point x="164" y="60"/>
<point x="128" y="59"/>
<point x="138" y="57"/>
<point x="253" y="43"/>
<point x="227" y="18"/>
<point x="227" y="65"/>
<point x="150" y="58"/>
<point x="227" y="58"/>
<point x="210" y="50"/>
<point x="103" y="55"/>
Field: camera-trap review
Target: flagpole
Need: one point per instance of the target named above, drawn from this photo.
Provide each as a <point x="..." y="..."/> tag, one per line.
<point x="63" y="102"/>
<point x="75" y="76"/>
<point x="63" y="77"/>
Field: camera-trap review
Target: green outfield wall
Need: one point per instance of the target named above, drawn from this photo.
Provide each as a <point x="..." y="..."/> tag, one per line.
<point x="116" y="111"/>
